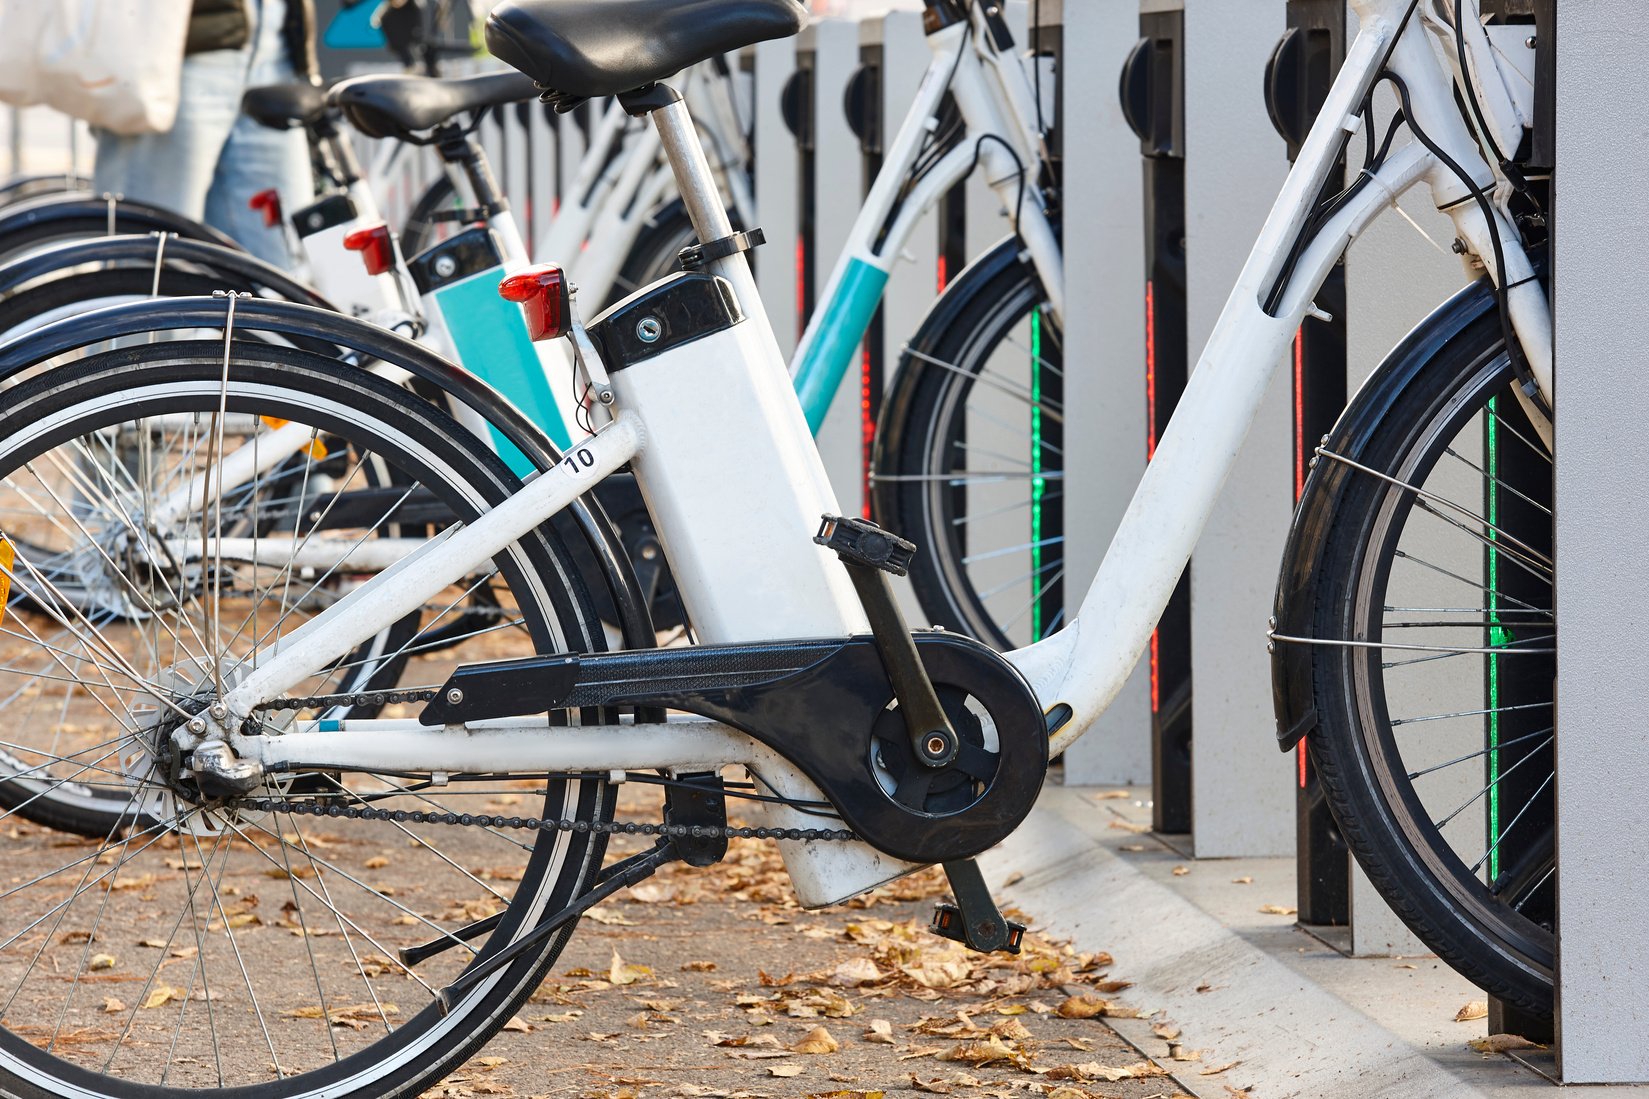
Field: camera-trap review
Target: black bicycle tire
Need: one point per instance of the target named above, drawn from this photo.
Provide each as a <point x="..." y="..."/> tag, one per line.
<point x="119" y="371"/>
<point x="1001" y="285"/>
<point x="1514" y="961"/>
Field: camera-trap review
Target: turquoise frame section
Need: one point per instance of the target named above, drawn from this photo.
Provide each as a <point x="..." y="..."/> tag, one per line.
<point x="490" y="338"/>
<point x="844" y="320"/>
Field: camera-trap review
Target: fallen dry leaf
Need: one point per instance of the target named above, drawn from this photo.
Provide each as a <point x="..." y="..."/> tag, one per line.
<point x="936" y="1086"/>
<point x="988" y="1052"/>
<point x="816" y="1041"/>
<point x="1217" y="1070"/>
<point x="1278" y="909"/>
<point x="1181" y="871"/>
<point x="162" y="994"/>
<point x="1093" y="1070"/>
<point x="1500" y="1043"/>
<point x="1475" y="1009"/>
<point x="1244" y="880"/>
<point x="1129" y="826"/>
<point x="1085" y="1006"/>
<point x="101" y="961"/>
<point x="621" y="972"/>
<point x="1109" y="795"/>
<point x="856" y="973"/>
<point x="784" y="1070"/>
<point x="1166" y="1031"/>
<point x="880" y="1032"/>
<point x="112" y="1005"/>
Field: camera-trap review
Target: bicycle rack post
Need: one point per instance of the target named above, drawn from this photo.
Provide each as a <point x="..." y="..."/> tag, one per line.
<point x="1521" y="795"/>
<point x="863" y="104"/>
<point x="826" y="56"/>
<point x="1242" y="801"/>
<point x="1379" y="310"/>
<point x="1104" y="254"/>
<point x="1298" y="76"/>
<point x="1603" y="542"/>
<point x="774" y="144"/>
<point x="1153" y="101"/>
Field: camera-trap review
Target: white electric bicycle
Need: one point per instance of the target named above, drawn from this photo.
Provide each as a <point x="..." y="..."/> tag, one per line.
<point x="204" y="693"/>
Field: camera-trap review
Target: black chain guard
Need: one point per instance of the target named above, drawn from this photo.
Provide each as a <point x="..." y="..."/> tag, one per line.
<point x="825" y="706"/>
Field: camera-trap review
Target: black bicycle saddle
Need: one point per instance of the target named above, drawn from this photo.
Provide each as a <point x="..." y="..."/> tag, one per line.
<point x="399" y="105"/>
<point x="588" y="48"/>
<point x="285" y="106"/>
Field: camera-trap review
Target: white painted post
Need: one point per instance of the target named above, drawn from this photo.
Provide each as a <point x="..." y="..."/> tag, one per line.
<point x="1242" y="796"/>
<point x="1105" y="347"/>
<point x="775" y="153"/>
<point x="912" y="284"/>
<point x="1381" y="306"/>
<point x="836" y="160"/>
<point x="1602" y="235"/>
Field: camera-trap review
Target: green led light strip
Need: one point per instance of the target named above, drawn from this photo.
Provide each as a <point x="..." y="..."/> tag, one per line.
<point x="1038" y="487"/>
<point x="1498" y="635"/>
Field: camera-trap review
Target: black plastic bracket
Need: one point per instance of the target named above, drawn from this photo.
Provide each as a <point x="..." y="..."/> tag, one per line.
<point x="695" y="256"/>
<point x="974" y="919"/>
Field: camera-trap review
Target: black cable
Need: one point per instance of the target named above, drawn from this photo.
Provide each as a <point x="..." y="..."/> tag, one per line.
<point x="1303" y="238"/>
<point x="1514" y="350"/>
<point x="1019" y="199"/>
<point x="1036" y="65"/>
<point x="1513" y="175"/>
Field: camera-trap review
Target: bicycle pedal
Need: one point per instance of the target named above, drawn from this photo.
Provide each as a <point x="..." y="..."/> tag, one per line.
<point x="974" y="919"/>
<point x="950" y="923"/>
<point x="862" y="542"/>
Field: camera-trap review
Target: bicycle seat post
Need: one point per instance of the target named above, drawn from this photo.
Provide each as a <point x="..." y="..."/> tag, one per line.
<point x="701" y="195"/>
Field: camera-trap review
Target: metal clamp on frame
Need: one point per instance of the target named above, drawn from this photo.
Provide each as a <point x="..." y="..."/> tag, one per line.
<point x="695" y="256"/>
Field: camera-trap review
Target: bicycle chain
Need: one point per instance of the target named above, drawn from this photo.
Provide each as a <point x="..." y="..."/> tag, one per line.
<point x="362" y="698"/>
<point x="535" y="824"/>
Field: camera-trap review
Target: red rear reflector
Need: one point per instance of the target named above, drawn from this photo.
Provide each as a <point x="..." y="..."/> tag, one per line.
<point x="267" y="203"/>
<point x="377" y="248"/>
<point x="541" y="292"/>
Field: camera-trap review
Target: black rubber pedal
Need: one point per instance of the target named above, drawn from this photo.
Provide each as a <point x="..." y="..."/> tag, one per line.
<point x="949" y="923"/>
<point x="864" y="543"/>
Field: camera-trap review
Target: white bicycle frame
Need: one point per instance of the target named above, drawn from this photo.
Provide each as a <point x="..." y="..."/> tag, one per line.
<point x="766" y="512"/>
<point x="623" y="176"/>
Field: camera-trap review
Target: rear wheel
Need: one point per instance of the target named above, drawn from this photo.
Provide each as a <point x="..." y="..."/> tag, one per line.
<point x="256" y="946"/>
<point x="1431" y="638"/>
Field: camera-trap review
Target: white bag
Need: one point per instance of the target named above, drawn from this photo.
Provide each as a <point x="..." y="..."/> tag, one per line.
<point x="114" y="63"/>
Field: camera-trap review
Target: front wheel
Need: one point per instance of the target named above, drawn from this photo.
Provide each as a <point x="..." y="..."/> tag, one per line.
<point x="1417" y="604"/>
<point x="227" y="946"/>
<point x="969" y="460"/>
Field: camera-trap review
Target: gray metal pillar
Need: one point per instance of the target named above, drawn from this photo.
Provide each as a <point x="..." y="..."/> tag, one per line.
<point x="1380" y="310"/>
<point x="1105" y="338"/>
<point x="1242" y="793"/>
<point x="836" y="170"/>
<point x="775" y="153"/>
<point x="1602" y="541"/>
<point x="913" y="282"/>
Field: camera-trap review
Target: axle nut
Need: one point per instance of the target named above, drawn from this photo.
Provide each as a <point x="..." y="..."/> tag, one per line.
<point x="454" y="696"/>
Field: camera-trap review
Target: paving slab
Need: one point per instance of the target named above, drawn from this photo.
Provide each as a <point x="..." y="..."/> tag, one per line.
<point x="1212" y="948"/>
